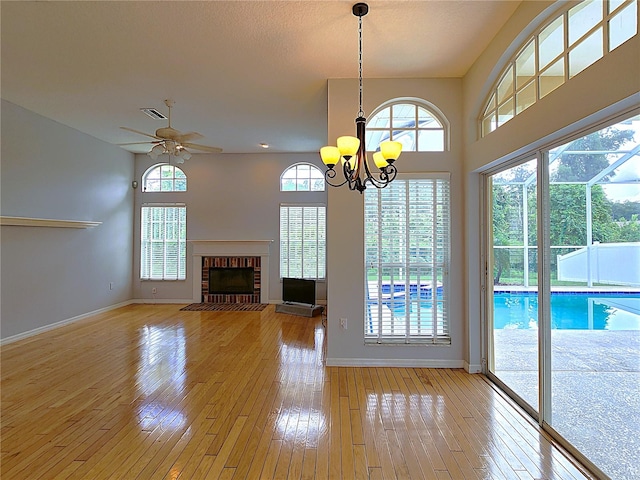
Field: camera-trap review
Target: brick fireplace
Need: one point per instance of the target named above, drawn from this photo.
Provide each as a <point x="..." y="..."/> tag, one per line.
<point x="209" y="254"/>
<point x="228" y="264"/>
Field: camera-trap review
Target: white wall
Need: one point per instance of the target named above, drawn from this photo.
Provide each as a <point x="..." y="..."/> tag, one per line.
<point x="50" y="275"/>
<point x="228" y="197"/>
<point x="345" y="231"/>
<point x="607" y="88"/>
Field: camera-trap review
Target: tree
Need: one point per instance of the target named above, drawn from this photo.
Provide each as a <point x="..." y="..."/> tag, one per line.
<point x="569" y="215"/>
<point x="583" y="166"/>
<point x="568" y="222"/>
<point x="625" y="210"/>
<point x="629" y="231"/>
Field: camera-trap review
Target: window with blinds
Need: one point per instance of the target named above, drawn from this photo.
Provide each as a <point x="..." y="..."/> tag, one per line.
<point x="407" y="238"/>
<point x="302" y="241"/>
<point x="163" y="248"/>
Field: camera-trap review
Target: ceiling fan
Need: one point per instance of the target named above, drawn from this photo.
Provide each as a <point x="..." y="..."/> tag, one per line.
<point x="171" y="141"/>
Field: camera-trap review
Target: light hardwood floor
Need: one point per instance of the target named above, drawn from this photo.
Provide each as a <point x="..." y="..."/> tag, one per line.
<point x="151" y="392"/>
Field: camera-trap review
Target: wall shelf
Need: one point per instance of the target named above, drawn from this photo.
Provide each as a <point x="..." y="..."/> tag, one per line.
<point x="45" y="222"/>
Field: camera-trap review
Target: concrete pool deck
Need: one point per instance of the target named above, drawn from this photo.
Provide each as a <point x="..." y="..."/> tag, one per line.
<point x="595" y="385"/>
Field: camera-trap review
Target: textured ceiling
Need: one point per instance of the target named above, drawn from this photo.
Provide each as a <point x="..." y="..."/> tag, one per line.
<point x="240" y="72"/>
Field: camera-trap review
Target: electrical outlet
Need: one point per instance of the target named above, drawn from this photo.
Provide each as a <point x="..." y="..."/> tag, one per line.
<point x="343" y="323"/>
<point x="154" y="290"/>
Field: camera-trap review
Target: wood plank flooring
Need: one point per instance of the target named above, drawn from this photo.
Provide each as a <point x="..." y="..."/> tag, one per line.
<point x="150" y="392"/>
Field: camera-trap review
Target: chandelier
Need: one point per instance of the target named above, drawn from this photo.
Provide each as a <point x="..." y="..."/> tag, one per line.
<point x="351" y="152"/>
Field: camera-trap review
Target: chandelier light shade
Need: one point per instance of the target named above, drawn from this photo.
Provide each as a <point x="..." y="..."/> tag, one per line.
<point x="350" y="154"/>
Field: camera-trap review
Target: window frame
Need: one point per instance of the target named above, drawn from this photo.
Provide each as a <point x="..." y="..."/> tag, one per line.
<point x="490" y="113"/>
<point x="439" y="330"/>
<point x="297" y="179"/>
<point x="320" y="243"/>
<point x="146" y="241"/>
<point x="173" y="178"/>
<point x="393" y="133"/>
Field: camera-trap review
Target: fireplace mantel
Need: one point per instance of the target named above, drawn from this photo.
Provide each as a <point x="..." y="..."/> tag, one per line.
<point x="224" y="248"/>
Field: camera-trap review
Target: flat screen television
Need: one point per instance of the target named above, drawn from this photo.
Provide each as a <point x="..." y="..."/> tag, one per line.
<point x="299" y="290"/>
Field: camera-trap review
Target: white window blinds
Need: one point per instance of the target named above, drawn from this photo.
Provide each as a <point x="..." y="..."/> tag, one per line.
<point x="302" y="241"/>
<point x="407" y="261"/>
<point x="163" y="242"/>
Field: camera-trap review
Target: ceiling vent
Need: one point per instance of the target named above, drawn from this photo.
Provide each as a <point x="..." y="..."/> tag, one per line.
<point x="153" y="113"/>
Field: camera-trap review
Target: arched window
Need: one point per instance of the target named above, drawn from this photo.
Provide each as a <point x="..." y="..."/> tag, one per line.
<point x="562" y="48"/>
<point x="302" y="177"/>
<point x="420" y="128"/>
<point x="302" y="225"/>
<point x="164" y="178"/>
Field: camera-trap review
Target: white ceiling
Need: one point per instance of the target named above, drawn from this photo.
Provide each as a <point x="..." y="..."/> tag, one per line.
<point x="240" y="72"/>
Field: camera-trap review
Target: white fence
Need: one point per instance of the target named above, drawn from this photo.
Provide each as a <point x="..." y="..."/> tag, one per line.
<point x="608" y="263"/>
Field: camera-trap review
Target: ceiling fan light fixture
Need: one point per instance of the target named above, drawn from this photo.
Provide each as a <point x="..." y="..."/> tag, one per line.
<point x="156" y="151"/>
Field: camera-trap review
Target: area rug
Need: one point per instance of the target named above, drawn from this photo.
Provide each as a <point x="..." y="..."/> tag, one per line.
<point x="227" y="307"/>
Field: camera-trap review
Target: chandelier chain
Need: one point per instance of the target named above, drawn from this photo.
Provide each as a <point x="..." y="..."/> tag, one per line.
<point x="361" y="111"/>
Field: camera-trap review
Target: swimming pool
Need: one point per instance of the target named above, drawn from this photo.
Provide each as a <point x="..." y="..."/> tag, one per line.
<point x="569" y="310"/>
<point x="519" y="310"/>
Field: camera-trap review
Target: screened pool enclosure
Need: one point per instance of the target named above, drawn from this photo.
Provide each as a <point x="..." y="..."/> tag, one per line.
<point x="563" y="316"/>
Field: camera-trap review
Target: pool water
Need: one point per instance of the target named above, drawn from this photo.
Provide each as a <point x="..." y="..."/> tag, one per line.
<point x="569" y="310"/>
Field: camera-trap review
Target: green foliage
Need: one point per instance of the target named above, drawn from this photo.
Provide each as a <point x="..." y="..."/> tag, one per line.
<point x="629" y="231"/>
<point x="583" y="166"/>
<point x="569" y="212"/>
<point x="625" y="210"/>
<point x="567" y="201"/>
<point x="585" y="158"/>
<point x="508" y="225"/>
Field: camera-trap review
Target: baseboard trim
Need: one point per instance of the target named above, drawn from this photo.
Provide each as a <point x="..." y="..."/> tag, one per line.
<point x="393" y="362"/>
<point x="472" y="367"/>
<point x="62" y="323"/>
<point x="158" y="301"/>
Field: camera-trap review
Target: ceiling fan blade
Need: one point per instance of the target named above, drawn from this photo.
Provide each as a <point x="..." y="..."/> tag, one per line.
<point x="204" y="148"/>
<point x="140" y="133"/>
<point x="150" y="142"/>
<point x="188" y="137"/>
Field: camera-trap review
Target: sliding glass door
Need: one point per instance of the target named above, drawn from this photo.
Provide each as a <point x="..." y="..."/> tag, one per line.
<point x="513" y="325"/>
<point x="594" y="199"/>
<point x="563" y="316"/>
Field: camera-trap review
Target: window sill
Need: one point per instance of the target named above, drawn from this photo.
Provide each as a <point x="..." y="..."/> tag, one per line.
<point x="442" y="343"/>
